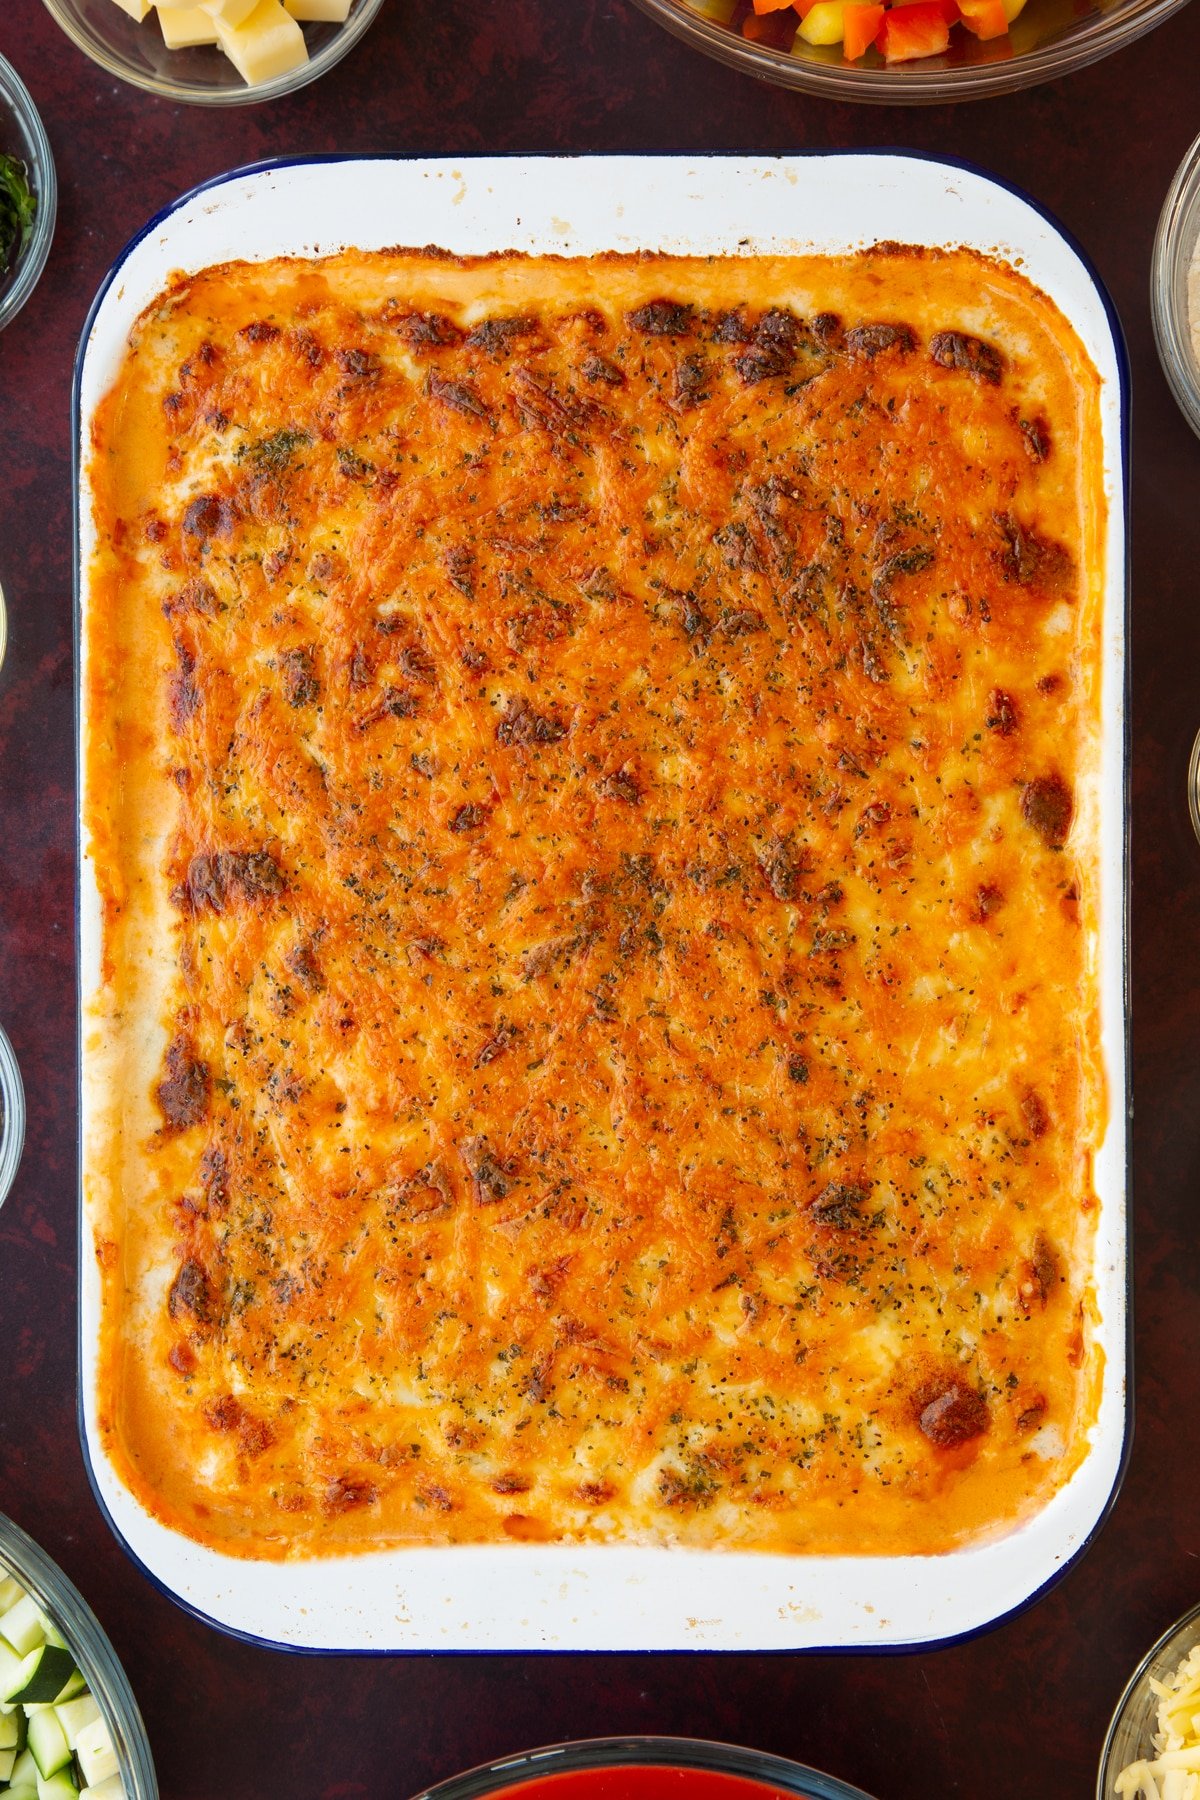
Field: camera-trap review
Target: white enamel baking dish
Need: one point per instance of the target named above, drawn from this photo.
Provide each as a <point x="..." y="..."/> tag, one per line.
<point x="534" y="1596"/>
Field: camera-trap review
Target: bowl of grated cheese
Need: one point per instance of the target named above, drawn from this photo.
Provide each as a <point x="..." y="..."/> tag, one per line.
<point x="1152" y="1751"/>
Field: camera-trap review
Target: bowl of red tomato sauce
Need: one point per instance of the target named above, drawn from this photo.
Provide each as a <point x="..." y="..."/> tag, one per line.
<point x="644" y="1768"/>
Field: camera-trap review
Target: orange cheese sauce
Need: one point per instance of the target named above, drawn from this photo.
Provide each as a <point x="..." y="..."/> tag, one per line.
<point x="590" y="773"/>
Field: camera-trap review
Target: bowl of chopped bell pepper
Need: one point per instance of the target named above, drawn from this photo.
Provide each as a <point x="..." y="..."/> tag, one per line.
<point x="28" y="194"/>
<point x="908" y="50"/>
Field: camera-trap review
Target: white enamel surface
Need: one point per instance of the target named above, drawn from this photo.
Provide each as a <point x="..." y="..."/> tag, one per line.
<point x="530" y="1596"/>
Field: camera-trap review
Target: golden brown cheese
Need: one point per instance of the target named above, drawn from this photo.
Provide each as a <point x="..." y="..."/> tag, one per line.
<point x="591" y="779"/>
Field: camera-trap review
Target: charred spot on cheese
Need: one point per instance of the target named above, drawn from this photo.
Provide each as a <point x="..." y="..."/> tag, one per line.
<point x="195" y="597"/>
<point x="1035" y="434"/>
<point x="357" y="364"/>
<point x="1031" y="559"/>
<point x="601" y="369"/>
<point x="216" y="881"/>
<point x="1047" y="806"/>
<point x="1034" y="1113"/>
<point x="511" y="1483"/>
<point x="491" y="1178"/>
<point x="302" y="962"/>
<point x="460" y="396"/>
<point x="972" y="355"/>
<point x="773" y="342"/>
<point x="737" y="546"/>
<point x="951" y="1414"/>
<point x="191" y="1293"/>
<point x="260" y="331"/>
<point x="185" y="692"/>
<point x="468" y="817"/>
<point x="621" y="784"/>
<point x="501" y="1041"/>
<point x="840" y="1206"/>
<point x="428" y="331"/>
<point x="539" y="404"/>
<point x="695" y="1485"/>
<point x="301" y="684"/>
<point x="870" y="341"/>
<point x="691" y="382"/>
<point x="214" y="1179"/>
<point x="1041" y="1273"/>
<point x="988" y="900"/>
<point x="347" y="1492"/>
<point x="208" y="516"/>
<point x="498" y="337"/>
<point x="459" y="563"/>
<point x="782" y="868"/>
<point x="1003" y="714"/>
<point x="827" y="329"/>
<point x="185" y="1091"/>
<point x="520" y="724"/>
<point x="662" y="318"/>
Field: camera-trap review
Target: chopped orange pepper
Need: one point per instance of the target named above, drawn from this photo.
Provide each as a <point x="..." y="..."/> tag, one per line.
<point x="769" y="6"/>
<point x="986" y="18"/>
<point x="862" y="23"/>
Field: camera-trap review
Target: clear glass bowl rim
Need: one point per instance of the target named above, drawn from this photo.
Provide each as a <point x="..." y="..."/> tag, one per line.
<point x="195" y="93"/>
<point x="640" y="1752"/>
<point x="32" y="259"/>
<point x="1185" y="1628"/>
<point x="1173" y="251"/>
<point x="62" y="1601"/>
<point x="12" y="1125"/>
<point x="1091" y="38"/>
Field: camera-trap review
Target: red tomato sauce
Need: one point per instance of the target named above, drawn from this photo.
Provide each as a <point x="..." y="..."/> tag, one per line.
<point x="630" y="1782"/>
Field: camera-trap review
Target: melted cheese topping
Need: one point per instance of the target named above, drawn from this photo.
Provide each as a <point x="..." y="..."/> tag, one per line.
<point x="591" y="778"/>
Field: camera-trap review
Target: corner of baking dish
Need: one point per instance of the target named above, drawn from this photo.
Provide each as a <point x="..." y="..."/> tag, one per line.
<point x="534" y="1596"/>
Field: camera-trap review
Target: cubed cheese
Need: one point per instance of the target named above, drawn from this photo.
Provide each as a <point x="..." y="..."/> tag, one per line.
<point x="231" y="12"/>
<point x="268" y="44"/>
<point x="333" y="12"/>
<point x="137" y="9"/>
<point x="185" y="25"/>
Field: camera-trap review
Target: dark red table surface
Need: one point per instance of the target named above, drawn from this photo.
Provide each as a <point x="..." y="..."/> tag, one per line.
<point x="1021" y="1710"/>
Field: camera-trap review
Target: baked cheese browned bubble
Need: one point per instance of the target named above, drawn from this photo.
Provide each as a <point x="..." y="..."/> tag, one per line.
<point x="593" y="788"/>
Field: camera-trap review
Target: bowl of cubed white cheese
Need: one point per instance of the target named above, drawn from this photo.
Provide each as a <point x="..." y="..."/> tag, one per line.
<point x="69" y="1724"/>
<point x="215" y="52"/>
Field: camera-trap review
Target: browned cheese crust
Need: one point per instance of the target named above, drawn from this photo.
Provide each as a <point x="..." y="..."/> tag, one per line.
<point x="591" y="777"/>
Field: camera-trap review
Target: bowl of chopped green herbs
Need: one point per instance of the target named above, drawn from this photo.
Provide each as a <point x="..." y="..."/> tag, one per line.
<point x="28" y="194"/>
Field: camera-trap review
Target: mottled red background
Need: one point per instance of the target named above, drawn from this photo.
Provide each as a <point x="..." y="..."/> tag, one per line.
<point x="1022" y="1710"/>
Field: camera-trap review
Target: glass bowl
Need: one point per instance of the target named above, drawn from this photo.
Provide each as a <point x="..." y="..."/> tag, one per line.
<point x="12" y="1117"/>
<point x="1049" y="39"/>
<point x="203" y="76"/>
<point x="23" y="135"/>
<point x="1136" y="1718"/>
<point x="1176" y="244"/>
<point x="97" y="1660"/>
<point x="773" y="1775"/>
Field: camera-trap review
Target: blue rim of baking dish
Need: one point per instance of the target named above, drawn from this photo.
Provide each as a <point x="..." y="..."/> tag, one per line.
<point x="1121" y="356"/>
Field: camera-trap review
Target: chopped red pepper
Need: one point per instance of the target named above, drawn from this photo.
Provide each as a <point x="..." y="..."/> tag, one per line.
<point x="911" y="31"/>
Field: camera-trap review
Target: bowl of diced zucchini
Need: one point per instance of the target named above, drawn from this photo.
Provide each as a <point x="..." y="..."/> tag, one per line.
<point x="69" y="1725"/>
<point x="215" y="52"/>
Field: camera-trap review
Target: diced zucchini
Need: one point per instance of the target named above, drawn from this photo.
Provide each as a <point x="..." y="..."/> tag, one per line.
<point x="12" y="1730"/>
<point x="10" y="1592"/>
<point x="95" y="1753"/>
<point x="24" y="1771"/>
<point x="43" y="1675"/>
<point x="76" y="1683"/>
<point x="23" y="1626"/>
<point x="48" y="1742"/>
<point x="73" y="1715"/>
<point x="60" y="1786"/>
<point x="7" y="1759"/>
<point x="108" y="1790"/>
<point x="10" y="1672"/>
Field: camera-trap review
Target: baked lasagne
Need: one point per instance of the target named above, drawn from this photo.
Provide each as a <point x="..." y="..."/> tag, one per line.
<point x="591" y="779"/>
